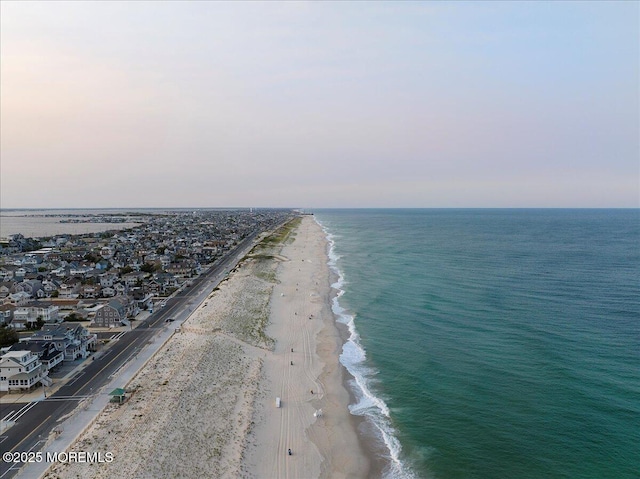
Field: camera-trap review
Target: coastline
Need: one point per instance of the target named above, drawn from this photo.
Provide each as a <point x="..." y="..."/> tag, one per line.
<point x="204" y="405"/>
<point x="301" y="319"/>
<point x="373" y="448"/>
<point x="368" y="412"/>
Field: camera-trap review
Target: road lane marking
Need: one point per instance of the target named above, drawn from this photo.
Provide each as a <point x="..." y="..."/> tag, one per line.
<point x="15" y="415"/>
<point x="27" y="437"/>
<point x="75" y="378"/>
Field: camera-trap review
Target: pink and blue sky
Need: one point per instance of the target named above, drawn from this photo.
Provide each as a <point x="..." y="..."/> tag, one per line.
<point x="319" y="104"/>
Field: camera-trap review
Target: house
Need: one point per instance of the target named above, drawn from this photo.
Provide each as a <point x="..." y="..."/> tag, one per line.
<point x="120" y="289"/>
<point x="6" y="313"/>
<point x="89" y="291"/>
<point x="20" y="273"/>
<point x="48" y="311"/>
<point x="181" y="269"/>
<point x="167" y="281"/>
<point x="22" y="320"/>
<point x="29" y="313"/>
<point x="7" y="272"/>
<point x="142" y="299"/>
<point x="21" y="287"/>
<point x="70" y="288"/>
<point x="46" y="351"/>
<point x="107" y="280"/>
<point x="49" y="286"/>
<point x="153" y="287"/>
<point x="61" y="272"/>
<point x="18" y="299"/>
<point x="102" y="265"/>
<point x="112" y="314"/>
<point x="34" y="288"/>
<point x="5" y="288"/>
<point x="131" y="279"/>
<point x="20" y="371"/>
<point x="108" y="292"/>
<point x="53" y="256"/>
<point x="80" y="269"/>
<point x="71" y="338"/>
<point x="165" y="260"/>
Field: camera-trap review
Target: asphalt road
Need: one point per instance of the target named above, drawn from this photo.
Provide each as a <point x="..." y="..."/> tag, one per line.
<point x="38" y="419"/>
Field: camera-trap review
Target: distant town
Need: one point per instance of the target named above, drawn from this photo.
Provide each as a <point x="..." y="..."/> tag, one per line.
<point x="56" y="291"/>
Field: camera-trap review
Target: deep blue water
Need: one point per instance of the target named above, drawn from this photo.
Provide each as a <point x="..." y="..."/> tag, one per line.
<point x="498" y="343"/>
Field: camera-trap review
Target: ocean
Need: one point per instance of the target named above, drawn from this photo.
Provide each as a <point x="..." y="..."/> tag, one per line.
<point x="493" y="343"/>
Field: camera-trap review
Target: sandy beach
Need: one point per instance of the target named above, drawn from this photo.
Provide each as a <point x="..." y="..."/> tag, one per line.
<point x="205" y="404"/>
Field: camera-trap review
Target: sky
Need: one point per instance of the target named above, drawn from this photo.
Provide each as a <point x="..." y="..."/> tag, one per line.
<point x="319" y="104"/>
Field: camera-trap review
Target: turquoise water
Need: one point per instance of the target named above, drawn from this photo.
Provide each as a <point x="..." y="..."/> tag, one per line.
<point x="493" y="343"/>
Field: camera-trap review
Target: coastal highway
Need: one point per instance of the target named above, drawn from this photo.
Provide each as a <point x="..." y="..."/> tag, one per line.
<point x="35" y="421"/>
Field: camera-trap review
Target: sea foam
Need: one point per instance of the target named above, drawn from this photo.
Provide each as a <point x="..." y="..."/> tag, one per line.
<point x="353" y="358"/>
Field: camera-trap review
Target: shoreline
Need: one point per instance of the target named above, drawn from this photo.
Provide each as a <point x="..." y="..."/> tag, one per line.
<point x="304" y="327"/>
<point x="372" y="445"/>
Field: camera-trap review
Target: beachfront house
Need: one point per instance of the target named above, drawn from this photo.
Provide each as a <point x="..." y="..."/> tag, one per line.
<point x="46" y="351"/>
<point x="71" y="338"/>
<point x="20" y="371"/>
<point x="166" y="281"/>
<point x="112" y="314"/>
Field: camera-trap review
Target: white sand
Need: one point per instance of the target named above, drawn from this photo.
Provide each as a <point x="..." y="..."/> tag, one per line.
<point x="204" y="406"/>
<point x="323" y="447"/>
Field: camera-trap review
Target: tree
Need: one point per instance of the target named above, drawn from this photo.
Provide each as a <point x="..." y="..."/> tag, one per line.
<point x="147" y="268"/>
<point x="37" y="325"/>
<point x="74" y="317"/>
<point x="91" y="258"/>
<point x="8" y="336"/>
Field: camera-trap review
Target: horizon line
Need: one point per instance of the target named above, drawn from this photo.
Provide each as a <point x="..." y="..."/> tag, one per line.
<point x="20" y="208"/>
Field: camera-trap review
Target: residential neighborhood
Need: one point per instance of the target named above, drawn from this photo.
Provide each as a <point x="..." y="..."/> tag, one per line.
<point x="56" y="292"/>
